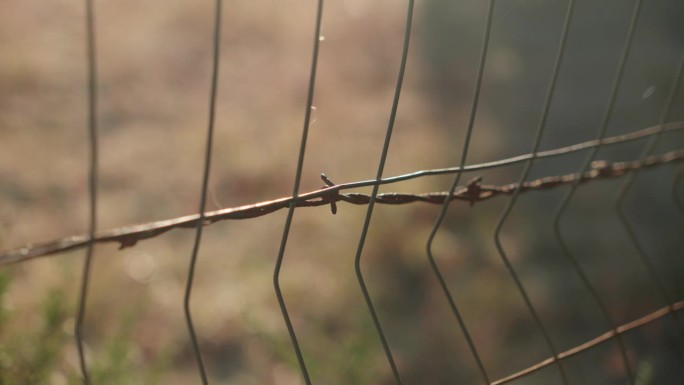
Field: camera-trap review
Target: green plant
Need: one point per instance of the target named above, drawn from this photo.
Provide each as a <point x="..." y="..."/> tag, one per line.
<point x="39" y="355"/>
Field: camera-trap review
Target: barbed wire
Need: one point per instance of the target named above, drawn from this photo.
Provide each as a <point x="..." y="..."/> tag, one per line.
<point x="473" y="192"/>
<point x="331" y="194"/>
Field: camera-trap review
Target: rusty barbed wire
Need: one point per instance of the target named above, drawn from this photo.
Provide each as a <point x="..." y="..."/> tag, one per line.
<point x="472" y="193"/>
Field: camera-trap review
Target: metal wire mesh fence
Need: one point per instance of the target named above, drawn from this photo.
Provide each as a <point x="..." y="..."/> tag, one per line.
<point x="472" y="192"/>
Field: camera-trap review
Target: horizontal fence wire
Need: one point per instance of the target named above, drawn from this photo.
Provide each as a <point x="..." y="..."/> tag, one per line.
<point x="472" y="192"/>
<point x="671" y="309"/>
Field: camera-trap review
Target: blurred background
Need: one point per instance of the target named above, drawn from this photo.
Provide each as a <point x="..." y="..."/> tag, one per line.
<point x="154" y="62"/>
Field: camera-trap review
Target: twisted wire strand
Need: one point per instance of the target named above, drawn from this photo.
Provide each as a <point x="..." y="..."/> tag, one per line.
<point x="203" y="193"/>
<point x="526" y="171"/>
<point x="295" y="194"/>
<point x="128" y="236"/>
<point x="447" y="199"/>
<point x="570" y="194"/>
<point x="92" y="184"/>
<point x="374" y="194"/>
<point x="472" y="193"/>
<point x="622" y="214"/>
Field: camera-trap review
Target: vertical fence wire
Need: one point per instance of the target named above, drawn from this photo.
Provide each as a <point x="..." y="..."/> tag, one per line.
<point x="92" y="183"/>
<point x="374" y="194"/>
<point x="585" y="165"/>
<point x="295" y="194"/>
<point x="622" y="215"/>
<point x="452" y="189"/>
<point x="528" y="166"/>
<point x="619" y="200"/>
<point x="203" y="192"/>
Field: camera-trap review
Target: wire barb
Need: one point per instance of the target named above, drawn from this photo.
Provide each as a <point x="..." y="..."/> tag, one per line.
<point x="473" y="189"/>
<point x="334" y="195"/>
<point x="472" y="192"/>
